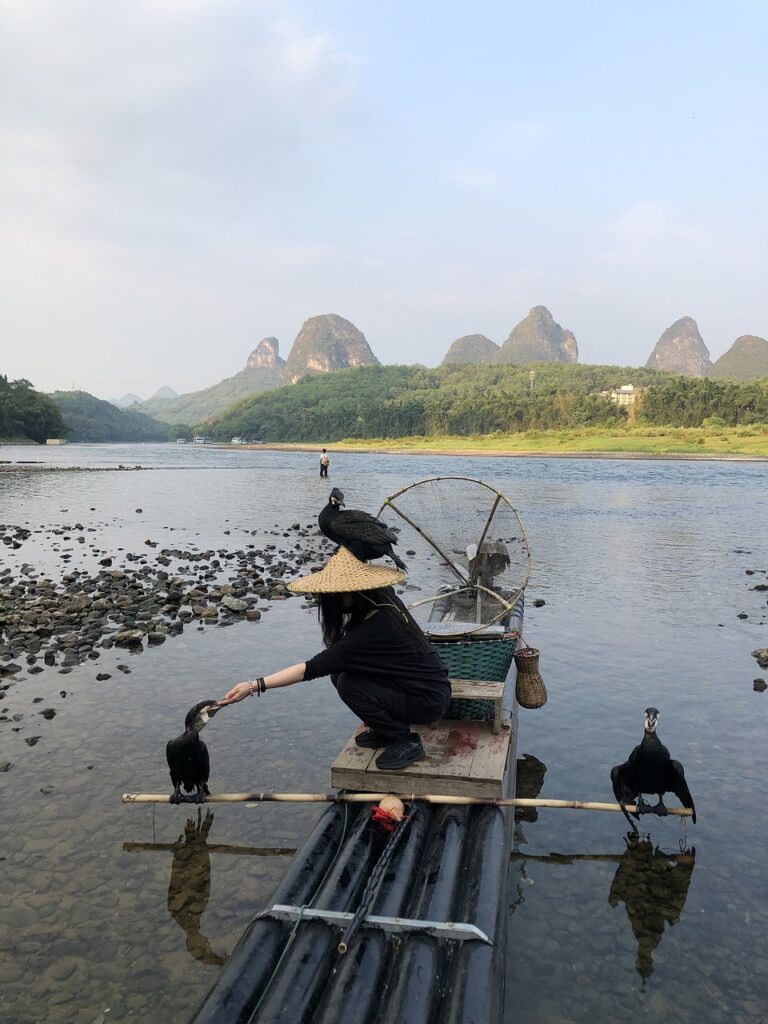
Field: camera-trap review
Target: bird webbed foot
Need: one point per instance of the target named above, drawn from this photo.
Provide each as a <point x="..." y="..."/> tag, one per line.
<point x="642" y="807"/>
<point x="660" y="809"/>
<point x="176" y="797"/>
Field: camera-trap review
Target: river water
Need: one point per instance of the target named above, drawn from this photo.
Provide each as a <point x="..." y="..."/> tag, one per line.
<point x="644" y="568"/>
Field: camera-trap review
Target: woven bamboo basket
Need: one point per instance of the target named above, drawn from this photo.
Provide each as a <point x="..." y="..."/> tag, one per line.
<point x="530" y="690"/>
<point x="476" y="659"/>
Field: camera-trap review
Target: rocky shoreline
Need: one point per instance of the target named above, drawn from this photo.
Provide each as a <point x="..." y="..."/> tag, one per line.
<point x="132" y="601"/>
<point x="48" y="467"/>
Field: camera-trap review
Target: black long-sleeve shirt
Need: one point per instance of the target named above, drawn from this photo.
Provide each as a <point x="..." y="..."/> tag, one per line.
<point x="382" y="648"/>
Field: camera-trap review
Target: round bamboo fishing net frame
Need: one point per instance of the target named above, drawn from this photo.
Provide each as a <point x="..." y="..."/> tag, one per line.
<point x="440" y="522"/>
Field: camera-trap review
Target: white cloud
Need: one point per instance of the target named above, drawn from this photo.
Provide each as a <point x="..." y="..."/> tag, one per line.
<point x="647" y="221"/>
<point x="145" y="149"/>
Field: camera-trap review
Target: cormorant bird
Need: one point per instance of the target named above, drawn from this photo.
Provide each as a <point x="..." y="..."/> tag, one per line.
<point x="362" y="534"/>
<point x="650" y="769"/>
<point x="187" y="756"/>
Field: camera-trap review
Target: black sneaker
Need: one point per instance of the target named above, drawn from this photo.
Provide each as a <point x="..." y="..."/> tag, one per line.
<point x="370" y="738"/>
<point x="401" y="753"/>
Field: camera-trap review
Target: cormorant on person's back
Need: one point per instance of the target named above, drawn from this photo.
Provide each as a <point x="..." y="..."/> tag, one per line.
<point x="650" y="769"/>
<point x="188" y="758"/>
<point x="362" y="534"/>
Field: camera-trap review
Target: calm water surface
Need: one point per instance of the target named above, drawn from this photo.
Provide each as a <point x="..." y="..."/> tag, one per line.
<point x="109" y="914"/>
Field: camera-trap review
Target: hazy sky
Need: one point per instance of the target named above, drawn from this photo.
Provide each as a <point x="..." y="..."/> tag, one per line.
<point x="181" y="178"/>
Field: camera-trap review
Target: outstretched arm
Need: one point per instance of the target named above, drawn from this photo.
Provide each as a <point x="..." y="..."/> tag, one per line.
<point x="285" y="677"/>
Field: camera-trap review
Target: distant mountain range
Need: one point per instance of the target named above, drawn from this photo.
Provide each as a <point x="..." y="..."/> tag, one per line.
<point x="131" y="399"/>
<point x="536" y="339"/>
<point x="681" y="348"/>
<point x="262" y="372"/>
<point x="472" y="348"/>
<point x="324" y="344"/>
<point x="746" y="359"/>
<point x="328" y="342"/>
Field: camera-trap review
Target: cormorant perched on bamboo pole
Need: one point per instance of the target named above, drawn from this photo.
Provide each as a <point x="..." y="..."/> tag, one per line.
<point x="187" y="756"/>
<point x="650" y="769"/>
<point x="362" y="534"/>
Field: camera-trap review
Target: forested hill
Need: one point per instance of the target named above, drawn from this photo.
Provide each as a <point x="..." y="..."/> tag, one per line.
<point x="403" y="401"/>
<point x="27" y="415"/>
<point x="92" y="419"/>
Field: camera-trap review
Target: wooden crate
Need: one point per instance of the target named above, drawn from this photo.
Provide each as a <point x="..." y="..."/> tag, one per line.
<point x="464" y="758"/>
<point x="480" y="690"/>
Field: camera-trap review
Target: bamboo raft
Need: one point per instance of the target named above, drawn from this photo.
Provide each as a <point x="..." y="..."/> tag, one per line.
<point x="406" y="927"/>
<point x="398" y="928"/>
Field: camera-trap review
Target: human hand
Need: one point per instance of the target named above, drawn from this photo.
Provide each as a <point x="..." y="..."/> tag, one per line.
<point x="238" y="692"/>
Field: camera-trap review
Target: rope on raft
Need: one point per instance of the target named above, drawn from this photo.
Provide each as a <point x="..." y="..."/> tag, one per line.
<point x="360" y="798"/>
<point x="374" y="882"/>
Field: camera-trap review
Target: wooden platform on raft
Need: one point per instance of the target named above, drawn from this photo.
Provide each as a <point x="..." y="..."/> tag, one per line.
<point x="464" y="758"/>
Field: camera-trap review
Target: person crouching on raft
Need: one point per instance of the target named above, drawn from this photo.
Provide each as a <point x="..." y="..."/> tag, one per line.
<point x="378" y="658"/>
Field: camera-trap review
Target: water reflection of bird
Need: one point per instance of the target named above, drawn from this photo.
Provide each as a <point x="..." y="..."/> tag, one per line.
<point x="187" y="756"/>
<point x="653" y="886"/>
<point x="362" y="534"/>
<point x="190" y="887"/>
<point x="528" y="785"/>
<point x="650" y="769"/>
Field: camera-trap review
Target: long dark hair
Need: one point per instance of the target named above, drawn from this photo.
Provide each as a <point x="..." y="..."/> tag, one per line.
<point x="336" y="618"/>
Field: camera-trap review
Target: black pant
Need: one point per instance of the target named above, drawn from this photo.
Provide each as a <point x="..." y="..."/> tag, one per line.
<point x="323" y="470"/>
<point x="387" y="711"/>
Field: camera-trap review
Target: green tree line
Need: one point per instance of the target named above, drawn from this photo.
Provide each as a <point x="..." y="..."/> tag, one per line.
<point x="687" y="402"/>
<point x="25" y="414"/>
<point x="403" y="401"/>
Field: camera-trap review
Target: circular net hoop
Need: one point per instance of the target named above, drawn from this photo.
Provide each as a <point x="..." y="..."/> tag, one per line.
<point x="467" y="553"/>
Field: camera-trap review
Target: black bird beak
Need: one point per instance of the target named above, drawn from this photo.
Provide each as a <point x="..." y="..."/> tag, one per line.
<point x="213" y="709"/>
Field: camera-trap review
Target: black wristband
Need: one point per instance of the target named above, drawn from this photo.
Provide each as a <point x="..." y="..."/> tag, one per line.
<point x="261" y="685"/>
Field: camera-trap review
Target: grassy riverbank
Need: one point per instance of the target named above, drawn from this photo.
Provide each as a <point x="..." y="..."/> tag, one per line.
<point x="692" y="441"/>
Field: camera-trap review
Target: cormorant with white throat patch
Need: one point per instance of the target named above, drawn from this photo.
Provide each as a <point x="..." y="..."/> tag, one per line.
<point x="188" y="758"/>
<point x="362" y="534"/>
<point x="650" y="769"/>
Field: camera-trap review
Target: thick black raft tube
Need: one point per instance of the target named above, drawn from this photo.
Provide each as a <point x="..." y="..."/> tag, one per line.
<point x="356" y="985"/>
<point x="450" y="866"/>
<point x="298" y="986"/>
<point x="418" y="977"/>
<point x="254" y="958"/>
<point x="476" y="994"/>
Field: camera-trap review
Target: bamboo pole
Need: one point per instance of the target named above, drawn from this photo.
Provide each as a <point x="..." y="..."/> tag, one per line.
<point x="365" y="798"/>
<point x="240" y="851"/>
<point x="608" y="858"/>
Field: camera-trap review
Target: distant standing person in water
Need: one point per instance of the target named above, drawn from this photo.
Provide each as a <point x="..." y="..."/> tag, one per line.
<point x="325" y="462"/>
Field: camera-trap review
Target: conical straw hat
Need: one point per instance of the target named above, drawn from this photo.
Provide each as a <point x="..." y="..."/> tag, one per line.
<point x="344" y="573"/>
